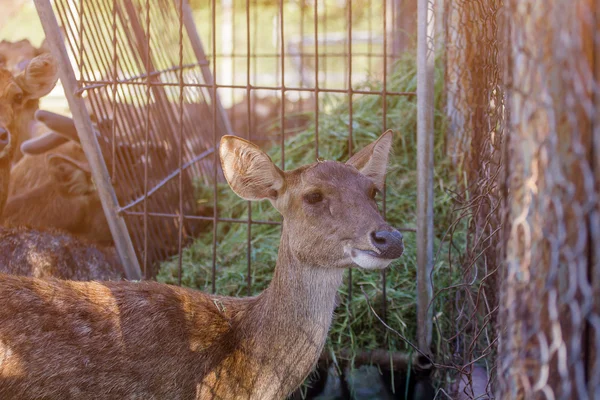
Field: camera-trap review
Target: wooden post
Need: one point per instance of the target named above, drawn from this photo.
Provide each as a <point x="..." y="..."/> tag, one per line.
<point x="89" y="142"/>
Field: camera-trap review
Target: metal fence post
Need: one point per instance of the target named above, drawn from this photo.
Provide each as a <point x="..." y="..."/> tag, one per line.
<point x="197" y="46"/>
<point x="89" y="143"/>
<point x="425" y="102"/>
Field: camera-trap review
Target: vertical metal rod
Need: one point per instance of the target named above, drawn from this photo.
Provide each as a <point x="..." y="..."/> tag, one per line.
<point x="384" y="101"/>
<point x="348" y="70"/>
<point x="215" y="106"/>
<point x="282" y="49"/>
<point x="425" y="76"/>
<point x="180" y="148"/>
<point x="89" y="143"/>
<point x="316" y="27"/>
<point x="196" y="43"/>
<point x="148" y="68"/>
<point x="249" y="128"/>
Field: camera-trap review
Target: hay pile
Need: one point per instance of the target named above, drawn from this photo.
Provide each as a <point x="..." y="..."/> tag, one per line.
<point x="354" y="325"/>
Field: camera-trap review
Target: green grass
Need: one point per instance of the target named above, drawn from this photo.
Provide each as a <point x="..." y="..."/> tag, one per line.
<point x="354" y="325"/>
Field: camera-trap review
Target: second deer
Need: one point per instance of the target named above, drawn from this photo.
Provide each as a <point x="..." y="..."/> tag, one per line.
<point x="145" y="340"/>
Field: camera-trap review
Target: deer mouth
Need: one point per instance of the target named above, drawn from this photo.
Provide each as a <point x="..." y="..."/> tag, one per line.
<point x="369" y="259"/>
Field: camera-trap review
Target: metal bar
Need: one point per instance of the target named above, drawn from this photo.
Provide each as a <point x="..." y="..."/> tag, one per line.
<point x="384" y="101"/>
<point x="283" y="88"/>
<point x="89" y="143"/>
<point x="97" y="84"/>
<point x="180" y="145"/>
<point x="249" y="134"/>
<point x="198" y="47"/>
<point x="213" y="12"/>
<point x="425" y="98"/>
<point x="148" y="67"/>
<point x="317" y="89"/>
<point x="236" y="220"/>
<point x="348" y="71"/>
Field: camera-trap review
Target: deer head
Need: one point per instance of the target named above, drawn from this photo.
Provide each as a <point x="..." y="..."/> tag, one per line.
<point x="17" y="92"/>
<point x="329" y="208"/>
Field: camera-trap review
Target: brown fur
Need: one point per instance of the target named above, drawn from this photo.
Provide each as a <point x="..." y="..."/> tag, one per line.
<point x="89" y="222"/>
<point x="48" y="192"/>
<point x="29" y="252"/>
<point x="14" y="56"/>
<point x="62" y="340"/>
<point x="35" y="81"/>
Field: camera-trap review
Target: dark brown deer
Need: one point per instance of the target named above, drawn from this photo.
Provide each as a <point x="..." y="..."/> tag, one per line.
<point x="44" y="254"/>
<point x="145" y="340"/>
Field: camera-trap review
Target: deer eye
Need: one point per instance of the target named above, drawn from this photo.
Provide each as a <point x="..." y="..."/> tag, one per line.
<point x="373" y="193"/>
<point x="18" y="98"/>
<point x="313" y="197"/>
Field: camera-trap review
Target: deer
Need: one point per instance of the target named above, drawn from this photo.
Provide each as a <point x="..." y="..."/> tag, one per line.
<point x="55" y="191"/>
<point x="147" y="340"/>
<point x="51" y="187"/>
<point x="32" y="252"/>
<point x="17" y="91"/>
<point x="52" y="253"/>
<point x="15" y="58"/>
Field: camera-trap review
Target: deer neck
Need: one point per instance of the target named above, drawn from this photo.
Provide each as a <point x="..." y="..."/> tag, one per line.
<point x="291" y="318"/>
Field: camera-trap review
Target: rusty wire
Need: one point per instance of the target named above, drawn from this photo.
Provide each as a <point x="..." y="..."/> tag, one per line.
<point x="476" y="130"/>
<point x="549" y="300"/>
<point x="521" y="82"/>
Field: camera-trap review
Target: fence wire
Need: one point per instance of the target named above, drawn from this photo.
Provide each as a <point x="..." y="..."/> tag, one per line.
<point x="474" y="68"/>
<point x="549" y="316"/>
<point x="143" y="70"/>
<point x="521" y="90"/>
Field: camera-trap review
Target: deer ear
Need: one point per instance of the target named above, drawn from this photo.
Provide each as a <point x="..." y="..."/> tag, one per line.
<point x="249" y="171"/>
<point x="39" y="77"/>
<point x="372" y="160"/>
<point x="72" y="176"/>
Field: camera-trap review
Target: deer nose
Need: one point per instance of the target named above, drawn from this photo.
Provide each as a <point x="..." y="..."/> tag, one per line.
<point x="4" y="138"/>
<point x="389" y="243"/>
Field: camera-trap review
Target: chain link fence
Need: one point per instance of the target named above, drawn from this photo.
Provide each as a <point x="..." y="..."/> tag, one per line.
<point x="549" y="315"/>
<point x="521" y="91"/>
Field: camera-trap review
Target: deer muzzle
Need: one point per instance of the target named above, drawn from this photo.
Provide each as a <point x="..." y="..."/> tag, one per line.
<point x="389" y="244"/>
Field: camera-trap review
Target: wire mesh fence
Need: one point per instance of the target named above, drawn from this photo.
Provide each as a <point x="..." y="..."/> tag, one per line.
<point x="152" y="83"/>
<point x="548" y="348"/>
<point x="318" y="84"/>
<point x="516" y="276"/>
<point x="521" y="82"/>
<point x="475" y="108"/>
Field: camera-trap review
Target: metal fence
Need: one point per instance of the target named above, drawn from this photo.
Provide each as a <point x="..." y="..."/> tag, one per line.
<point x="521" y="87"/>
<point x="521" y="102"/>
<point x="549" y="299"/>
<point x="171" y="89"/>
<point x="474" y="38"/>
